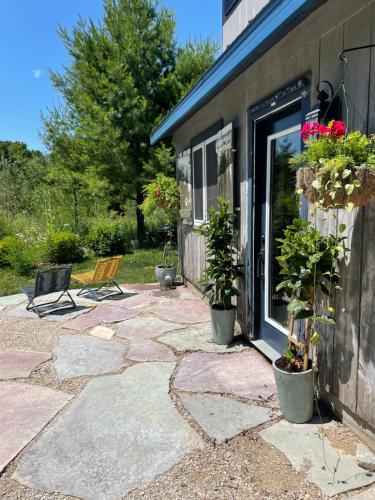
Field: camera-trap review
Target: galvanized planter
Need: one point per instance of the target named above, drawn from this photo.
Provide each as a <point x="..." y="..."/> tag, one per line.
<point x="296" y="394"/>
<point x="162" y="271"/>
<point x="222" y="321"/>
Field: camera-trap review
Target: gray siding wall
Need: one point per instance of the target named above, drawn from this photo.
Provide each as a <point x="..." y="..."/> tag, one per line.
<point x="347" y="356"/>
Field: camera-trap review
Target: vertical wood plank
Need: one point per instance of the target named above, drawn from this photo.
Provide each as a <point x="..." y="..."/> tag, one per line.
<point x="357" y="31"/>
<point x="366" y="361"/>
<point x="330" y="46"/>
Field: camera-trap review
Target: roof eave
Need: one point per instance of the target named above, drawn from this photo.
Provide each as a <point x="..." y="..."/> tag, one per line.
<point x="273" y="22"/>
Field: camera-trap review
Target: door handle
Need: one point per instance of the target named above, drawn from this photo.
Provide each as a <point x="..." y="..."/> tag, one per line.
<point x="260" y="264"/>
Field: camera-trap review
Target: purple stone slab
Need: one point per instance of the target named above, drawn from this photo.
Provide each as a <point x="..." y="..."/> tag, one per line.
<point x="113" y="313"/>
<point x="24" y="411"/>
<point x="82" y="322"/>
<point x="20" y="364"/>
<point x="183" y="311"/>
<point x="143" y="287"/>
<point x="149" y="350"/>
<point x="145" y="327"/>
<point x="244" y="374"/>
<point x="138" y="301"/>
<point x="176" y="293"/>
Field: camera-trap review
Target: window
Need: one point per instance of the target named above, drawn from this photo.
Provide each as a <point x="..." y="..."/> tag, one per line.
<point x="204" y="178"/>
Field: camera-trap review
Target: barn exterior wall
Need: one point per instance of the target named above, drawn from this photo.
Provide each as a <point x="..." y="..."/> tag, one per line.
<point x="347" y="355"/>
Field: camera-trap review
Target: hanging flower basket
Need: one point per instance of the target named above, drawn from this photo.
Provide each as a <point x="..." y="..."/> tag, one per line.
<point x="336" y="169"/>
<point x="361" y="178"/>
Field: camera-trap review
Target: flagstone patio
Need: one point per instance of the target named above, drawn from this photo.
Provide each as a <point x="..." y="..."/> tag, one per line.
<point x="150" y="394"/>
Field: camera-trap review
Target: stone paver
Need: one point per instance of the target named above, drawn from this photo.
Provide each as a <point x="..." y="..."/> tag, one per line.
<point x="143" y="287"/>
<point x="148" y="350"/>
<point x="101" y="314"/>
<point x="179" y="292"/>
<point x="79" y="355"/>
<point x="365" y="457"/>
<point x="221" y="417"/>
<point x="20" y="364"/>
<point x="183" y="311"/>
<point x="199" y="338"/>
<point x="128" y="428"/>
<point x="102" y="332"/>
<point x="24" y="411"/>
<point x="244" y="374"/>
<point x="145" y="327"/>
<point x="12" y="300"/>
<point x="140" y="301"/>
<point x="303" y="446"/>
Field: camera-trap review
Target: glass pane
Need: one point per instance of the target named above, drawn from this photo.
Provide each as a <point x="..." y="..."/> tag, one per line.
<point x="198" y="184"/>
<point x="211" y="171"/>
<point x="284" y="207"/>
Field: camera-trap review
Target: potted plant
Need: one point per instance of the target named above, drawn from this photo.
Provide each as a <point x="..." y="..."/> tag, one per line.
<point x="163" y="193"/>
<point x="336" y="169"/>
<point x="308" y="263"/>
<point x="221" y="271"/>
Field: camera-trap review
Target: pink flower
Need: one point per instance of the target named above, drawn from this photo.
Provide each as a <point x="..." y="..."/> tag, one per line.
<point x="324" y="130"/>
<point x="314" y="128"/>
<point x="158" y="192"/>
<point x="305" y="132"/>
<point x="338" y="128"/>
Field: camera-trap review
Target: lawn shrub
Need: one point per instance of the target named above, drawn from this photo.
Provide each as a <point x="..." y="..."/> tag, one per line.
<point x="108" y="237"/>
<point x="23" y="260"/>
<point x="9" y="246"/>
<point x="64" y="247"/>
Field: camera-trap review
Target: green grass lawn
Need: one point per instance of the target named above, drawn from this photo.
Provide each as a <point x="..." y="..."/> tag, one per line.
<point x="137" y="267"/>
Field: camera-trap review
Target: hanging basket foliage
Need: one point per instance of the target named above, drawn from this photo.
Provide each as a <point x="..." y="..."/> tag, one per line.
<point x="335" y="170"/>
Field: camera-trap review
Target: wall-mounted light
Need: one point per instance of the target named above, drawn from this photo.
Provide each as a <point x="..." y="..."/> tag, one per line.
<point x="327" y="107"/>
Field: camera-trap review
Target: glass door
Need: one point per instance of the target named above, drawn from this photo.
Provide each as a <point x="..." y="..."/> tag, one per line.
<point x="277" y="206"/>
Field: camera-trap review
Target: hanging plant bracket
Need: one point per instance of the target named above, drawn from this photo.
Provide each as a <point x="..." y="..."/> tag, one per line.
<point x="353" y="49"/>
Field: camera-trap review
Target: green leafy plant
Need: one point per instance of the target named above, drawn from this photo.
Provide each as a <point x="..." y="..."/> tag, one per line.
<point x="308" y="260"/>
<point x="163" y="193"/>
<point x="108" y="237"/>
<point x="221" y="271"/>
<point x="9" y="246"/>
<point x="64" y="247"/>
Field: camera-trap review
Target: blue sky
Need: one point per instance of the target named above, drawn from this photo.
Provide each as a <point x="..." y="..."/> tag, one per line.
<point x="30" y="46"/>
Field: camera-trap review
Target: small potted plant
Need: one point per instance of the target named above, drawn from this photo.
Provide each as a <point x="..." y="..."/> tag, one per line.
<point x="336" y="169"/>
<point x="308" y="263"/>
<point x="221" y="271"/>
<point x="163" y="193"/>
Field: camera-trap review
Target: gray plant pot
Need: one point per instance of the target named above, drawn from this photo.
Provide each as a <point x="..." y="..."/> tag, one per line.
<point x="223" y="325"/>
<point x="162" y="271"/>
<point x="296" y="394"/>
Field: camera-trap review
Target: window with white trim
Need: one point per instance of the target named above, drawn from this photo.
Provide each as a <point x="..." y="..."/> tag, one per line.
<point x="204" y="179"/>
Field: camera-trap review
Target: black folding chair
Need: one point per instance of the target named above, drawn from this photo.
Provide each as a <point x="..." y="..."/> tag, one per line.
<point x="47" y="281"/>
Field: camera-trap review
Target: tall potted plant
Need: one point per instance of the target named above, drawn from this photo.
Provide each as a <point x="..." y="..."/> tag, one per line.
<point x="221" y="271"/>
<point x="163" y="193"/>
<point x="308" y="262"/>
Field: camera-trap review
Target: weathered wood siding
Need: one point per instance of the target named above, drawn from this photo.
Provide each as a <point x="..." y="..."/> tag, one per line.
<point x="347" y="355"/>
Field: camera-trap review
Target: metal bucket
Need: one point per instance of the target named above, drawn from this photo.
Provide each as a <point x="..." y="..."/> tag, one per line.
<point x="162" y="271"/>
<point x="296" y="394"/>
<point x="223" y="325"/>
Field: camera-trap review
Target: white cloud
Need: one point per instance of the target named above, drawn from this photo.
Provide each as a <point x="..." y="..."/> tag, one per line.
<point x="37" y="73"/>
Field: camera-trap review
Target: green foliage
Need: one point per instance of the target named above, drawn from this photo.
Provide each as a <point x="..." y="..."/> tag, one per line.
<point x="64" y="247"/>
<point x="108" y="238"/>
<point x="307" y="261"/>
<point x="23" y="260"/>
<point x="221" y="270"/>
<point x="125" y="75"/>
<point x="9" y="246"/>
<point x="336" y="153"/>
<point x="164" y="193"/>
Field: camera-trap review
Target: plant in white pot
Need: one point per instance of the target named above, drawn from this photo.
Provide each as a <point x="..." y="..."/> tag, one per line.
<point x="221" y="271"/>
<point x="308" y="263"/>
<point x="163" y="193"/>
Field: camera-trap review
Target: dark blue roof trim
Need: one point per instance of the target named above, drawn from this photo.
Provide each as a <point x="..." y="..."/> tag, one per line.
<point x="272" y="23"/>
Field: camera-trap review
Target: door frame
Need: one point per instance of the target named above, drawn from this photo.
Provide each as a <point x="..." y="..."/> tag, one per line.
<point x="296" y="91"/>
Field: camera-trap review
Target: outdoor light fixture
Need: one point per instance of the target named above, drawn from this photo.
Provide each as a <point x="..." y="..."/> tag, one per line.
<point x="327" y="106"/>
